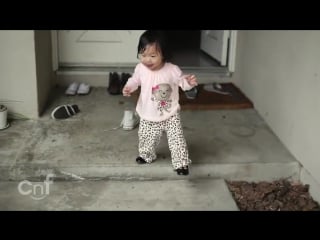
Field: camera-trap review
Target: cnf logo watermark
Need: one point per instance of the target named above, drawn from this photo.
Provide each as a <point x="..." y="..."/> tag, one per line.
<point x="36" y="190"/>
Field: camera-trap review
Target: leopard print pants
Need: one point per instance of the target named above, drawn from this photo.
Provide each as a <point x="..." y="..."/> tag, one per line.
<point x="149" y="137"/>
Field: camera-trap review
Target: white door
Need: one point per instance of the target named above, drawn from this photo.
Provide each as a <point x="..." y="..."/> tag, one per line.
<point x="98" y="47"/>
<point x="215" y="43"/>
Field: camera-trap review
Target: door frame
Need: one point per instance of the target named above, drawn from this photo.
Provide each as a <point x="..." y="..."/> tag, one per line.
<point x="231" y="50"/>
<point x="55" y="53"/>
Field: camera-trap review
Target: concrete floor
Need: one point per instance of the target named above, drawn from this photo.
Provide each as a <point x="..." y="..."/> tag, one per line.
<point x="223" y="145"/>
<point x="158" y="195"/>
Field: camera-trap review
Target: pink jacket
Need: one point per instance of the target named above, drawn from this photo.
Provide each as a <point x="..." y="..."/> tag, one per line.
<point x="159" y="95"/>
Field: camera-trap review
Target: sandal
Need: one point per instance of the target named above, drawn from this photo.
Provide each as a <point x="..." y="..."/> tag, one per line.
<point x="65" y="111"/>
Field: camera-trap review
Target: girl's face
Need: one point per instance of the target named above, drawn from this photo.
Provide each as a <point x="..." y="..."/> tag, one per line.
<point x="151" y="57"/>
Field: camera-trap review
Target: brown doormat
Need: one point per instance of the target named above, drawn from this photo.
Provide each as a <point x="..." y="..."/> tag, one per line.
<point x="207" y="100"/>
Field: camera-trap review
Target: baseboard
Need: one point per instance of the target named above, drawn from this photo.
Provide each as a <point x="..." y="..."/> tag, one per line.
<point x="93" y="79"/>
<point x="101" y="78"/>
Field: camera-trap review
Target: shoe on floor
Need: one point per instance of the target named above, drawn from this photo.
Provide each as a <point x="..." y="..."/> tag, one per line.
<point x="64" y="111"/>
<point x="83" y="89"/>
<point x="114" y="84"/>
<point x="192" y="93"/>
<point x="130" y="120"/>
<point x="140" y="160"/>
<point x="215" y="87"/>
<point x="72" y="89"/>
<point x="183" y="170"/>
<point x="124" y="80"/>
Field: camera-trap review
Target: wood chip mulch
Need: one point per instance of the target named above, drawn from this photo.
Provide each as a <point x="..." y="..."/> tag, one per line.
<point x="280" y="195"/>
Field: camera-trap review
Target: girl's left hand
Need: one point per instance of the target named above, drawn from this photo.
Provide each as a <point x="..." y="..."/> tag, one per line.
<point x="192" y="80"/>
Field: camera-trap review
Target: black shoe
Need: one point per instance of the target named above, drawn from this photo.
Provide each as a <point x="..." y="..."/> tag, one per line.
<point x="124" y="79"/>
<point x="183" y="171"/>
<point x="114" y="84"/>
<point x="140" y="160"/>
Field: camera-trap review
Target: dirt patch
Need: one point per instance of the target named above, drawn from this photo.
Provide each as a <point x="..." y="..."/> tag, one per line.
<point x="280" y="195"/>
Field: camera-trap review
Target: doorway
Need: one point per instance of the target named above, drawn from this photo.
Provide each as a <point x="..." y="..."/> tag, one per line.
<point x="108" y="49"/>
<point x="185" y="49"/>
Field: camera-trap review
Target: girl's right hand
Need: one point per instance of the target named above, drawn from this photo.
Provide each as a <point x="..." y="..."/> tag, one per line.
<point x="192" y="80"/>
<point x="126" y="91"/>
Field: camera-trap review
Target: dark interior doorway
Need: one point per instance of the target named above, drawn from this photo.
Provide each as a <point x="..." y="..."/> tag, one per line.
<point x="185" y="49"/>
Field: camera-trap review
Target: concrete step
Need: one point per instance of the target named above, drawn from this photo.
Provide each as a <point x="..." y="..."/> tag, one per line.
<point x="232" y="172"/>
<point x="228" y="144"/>
<point x="184" y="195"/>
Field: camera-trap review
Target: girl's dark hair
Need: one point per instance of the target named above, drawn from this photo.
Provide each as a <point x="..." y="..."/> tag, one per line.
<point x="154" y="37"/>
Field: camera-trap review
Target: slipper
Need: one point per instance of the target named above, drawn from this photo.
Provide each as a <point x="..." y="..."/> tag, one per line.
<point x="72" y="89"/>
<point x="215" y="87"/>
<point x="83" y="89"/>
<point x="64" y="111"/>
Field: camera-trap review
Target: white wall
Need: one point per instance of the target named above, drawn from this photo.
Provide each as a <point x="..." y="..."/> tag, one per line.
<point x="18" y="89"/>
<point x="280" y="72"/>
<point x="45" y="74"/>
